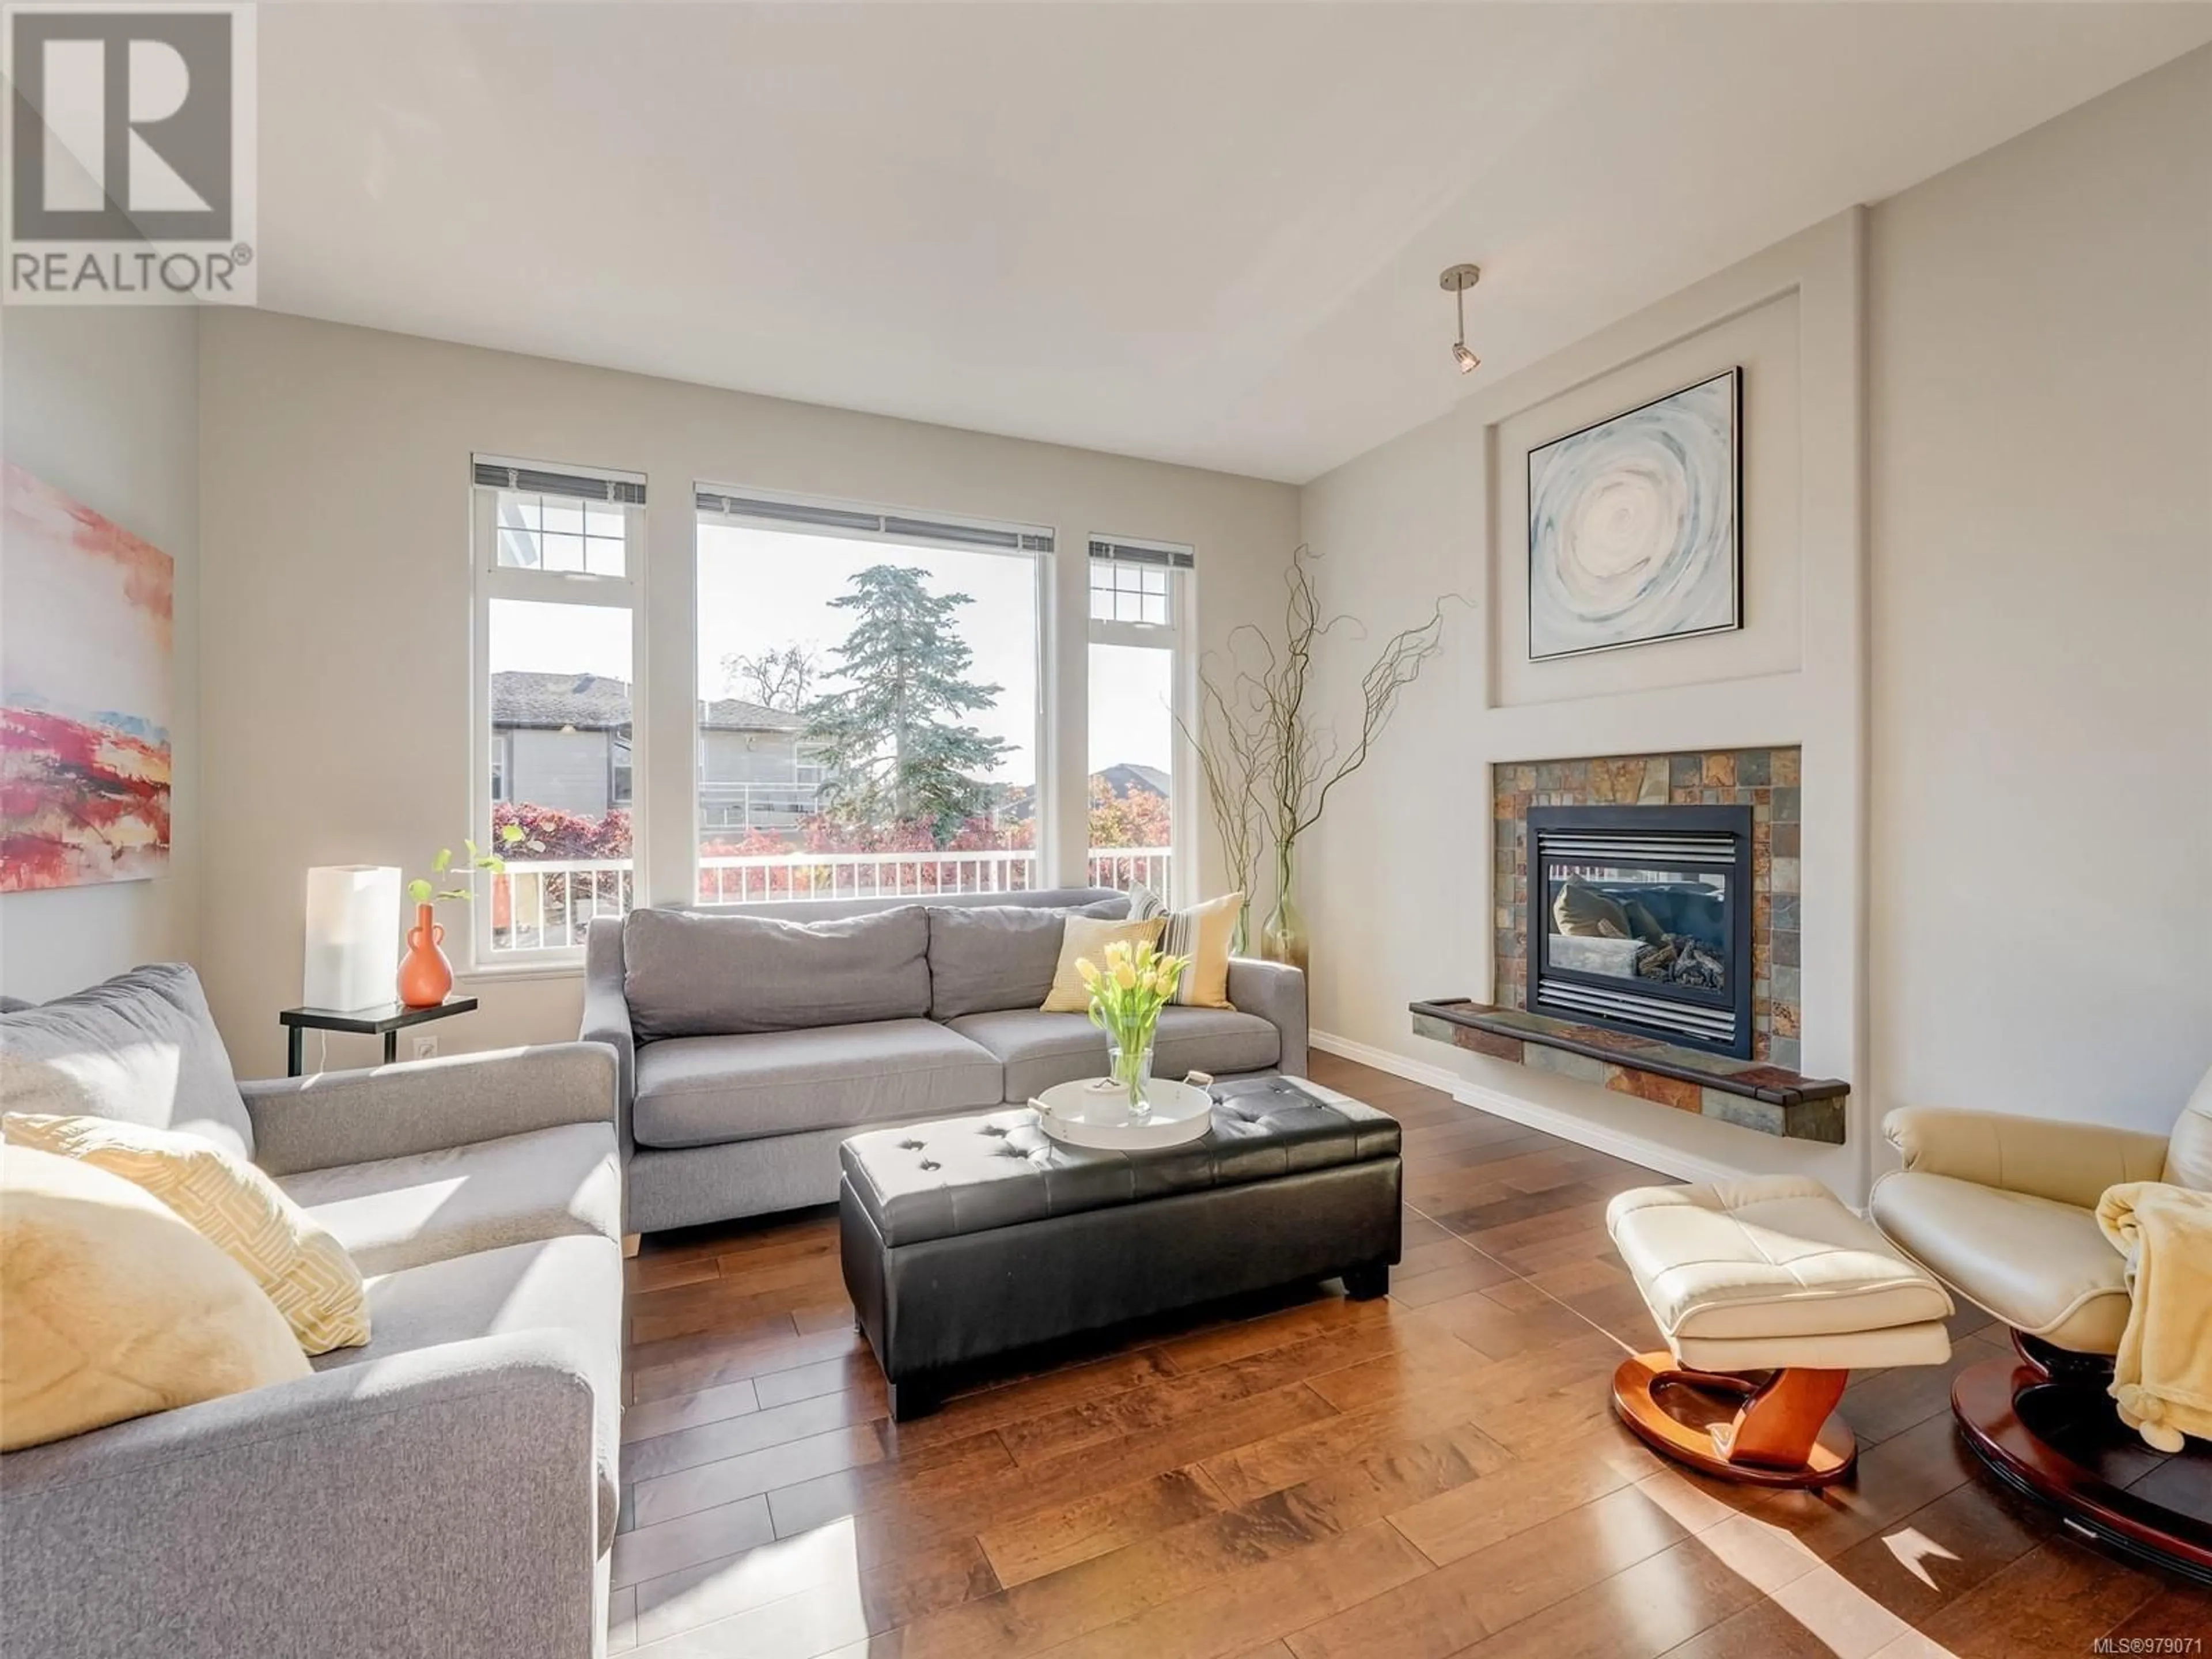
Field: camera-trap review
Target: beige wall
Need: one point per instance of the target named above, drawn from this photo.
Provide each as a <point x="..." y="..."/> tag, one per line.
<point x="337" y="598"/>
<point x="2041" y="402"/>
<point x="2005" y="665"/>
<point x="102" y="404"/>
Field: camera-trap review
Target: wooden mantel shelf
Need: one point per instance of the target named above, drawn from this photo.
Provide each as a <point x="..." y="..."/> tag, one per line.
<point x="1748" y="1093"/>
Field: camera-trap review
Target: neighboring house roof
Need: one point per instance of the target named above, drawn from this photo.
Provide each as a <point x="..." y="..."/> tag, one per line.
<point x="736" y="715"/>
<point x="596" y="703"/>
<point x="1125" y="778"/>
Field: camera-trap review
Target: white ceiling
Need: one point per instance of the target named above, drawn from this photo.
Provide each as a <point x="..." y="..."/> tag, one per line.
<point x="1200" y="234"/>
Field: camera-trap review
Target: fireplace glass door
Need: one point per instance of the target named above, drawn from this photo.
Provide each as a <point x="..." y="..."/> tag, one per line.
<point x="1639" y="919"/>
<point x="1640" y="922"/>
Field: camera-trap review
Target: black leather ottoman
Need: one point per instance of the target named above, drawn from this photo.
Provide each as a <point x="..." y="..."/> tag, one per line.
<point x="979" y="1235"/>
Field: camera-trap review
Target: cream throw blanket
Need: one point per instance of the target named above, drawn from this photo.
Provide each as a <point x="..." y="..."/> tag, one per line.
<point x="2162" y="1375"/>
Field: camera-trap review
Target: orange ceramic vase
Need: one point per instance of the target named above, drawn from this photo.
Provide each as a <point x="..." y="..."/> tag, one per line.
<point x="426" y="978"/>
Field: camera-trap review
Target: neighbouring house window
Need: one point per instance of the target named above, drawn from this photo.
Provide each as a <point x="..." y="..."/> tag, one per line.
<point x="869" y="721"/>
<point x="619" y="780"/>
<point x="559" y="618"/>
<point x="1140" y="602"/>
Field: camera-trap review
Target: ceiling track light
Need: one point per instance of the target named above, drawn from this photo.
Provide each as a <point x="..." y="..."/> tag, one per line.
<point x="1457" y="280"/>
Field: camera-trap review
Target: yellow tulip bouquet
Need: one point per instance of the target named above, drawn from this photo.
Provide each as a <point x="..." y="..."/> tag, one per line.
<point x="1127" y="996"/>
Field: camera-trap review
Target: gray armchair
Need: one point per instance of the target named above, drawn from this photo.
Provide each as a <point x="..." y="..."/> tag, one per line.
<point x="448" y="1488"/>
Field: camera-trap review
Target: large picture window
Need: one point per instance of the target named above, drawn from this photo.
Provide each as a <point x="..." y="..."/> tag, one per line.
<point x="1139" y="607"/>
<point x="868" y="715"/>
<point x="557" y="647"/>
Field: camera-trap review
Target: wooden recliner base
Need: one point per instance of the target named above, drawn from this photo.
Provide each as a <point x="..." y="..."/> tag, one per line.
<point x="1771" y="1429"/>
<point x="2044" y="1424"/>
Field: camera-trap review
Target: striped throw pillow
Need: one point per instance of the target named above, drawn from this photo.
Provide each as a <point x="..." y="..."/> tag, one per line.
<point x="233" y="1205"/>
<point x="1201" y="933"/>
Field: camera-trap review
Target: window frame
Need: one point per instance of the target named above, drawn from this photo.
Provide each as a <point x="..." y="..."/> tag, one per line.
<point x="1178" y="635"/>
<point x="490" y="581"/>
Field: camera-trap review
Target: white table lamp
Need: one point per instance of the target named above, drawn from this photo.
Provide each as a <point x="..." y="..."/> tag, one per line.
<point x="353" y="936"/>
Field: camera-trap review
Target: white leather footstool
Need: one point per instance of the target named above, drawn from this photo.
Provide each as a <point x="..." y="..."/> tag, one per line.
<point x="1773" y="1275"/>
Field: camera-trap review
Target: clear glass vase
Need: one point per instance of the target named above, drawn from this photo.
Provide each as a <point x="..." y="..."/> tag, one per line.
<point x="1284" y="937"/>
<point x="1132" y="1068"/>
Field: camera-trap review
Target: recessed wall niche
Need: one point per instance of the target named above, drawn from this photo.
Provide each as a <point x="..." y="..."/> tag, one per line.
<point x="1764" y="341"/>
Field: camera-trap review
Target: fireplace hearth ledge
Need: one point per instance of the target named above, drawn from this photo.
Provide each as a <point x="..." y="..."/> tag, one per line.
<point x="1749" y="1094"/>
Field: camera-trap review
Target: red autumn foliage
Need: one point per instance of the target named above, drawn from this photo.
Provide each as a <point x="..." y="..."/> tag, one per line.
<point x="565" y="835"/>
<point x="1138" y="819"/>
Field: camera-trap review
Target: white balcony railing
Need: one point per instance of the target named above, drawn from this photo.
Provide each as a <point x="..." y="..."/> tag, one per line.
<point x="779" y="878"/>
<point x="542" y="905"/>
<point x="1124" y="867"/>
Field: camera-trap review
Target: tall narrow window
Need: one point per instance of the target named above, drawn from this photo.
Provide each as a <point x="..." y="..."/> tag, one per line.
<point x="868" y="715"/>
<point x="558" y="626"/>
<point x="1140" y="604"/>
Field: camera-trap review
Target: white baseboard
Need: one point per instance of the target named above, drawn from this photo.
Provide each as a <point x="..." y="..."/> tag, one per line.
<point x="1413" y="1070"/>
<point x="1635" y="1149"/>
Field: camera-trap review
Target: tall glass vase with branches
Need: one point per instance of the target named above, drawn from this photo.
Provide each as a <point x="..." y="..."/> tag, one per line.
<point x="1269" y="761"/>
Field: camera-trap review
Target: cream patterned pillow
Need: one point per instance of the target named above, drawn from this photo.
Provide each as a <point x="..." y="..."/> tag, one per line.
<point x="303" y="1270"/>
<point x="1089" y="936"/>
<point x="1201" y="933"/>
<point x="111" y="1307"/>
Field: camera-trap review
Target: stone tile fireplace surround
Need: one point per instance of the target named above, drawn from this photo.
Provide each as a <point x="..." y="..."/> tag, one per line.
<point x="1767" y="780"/>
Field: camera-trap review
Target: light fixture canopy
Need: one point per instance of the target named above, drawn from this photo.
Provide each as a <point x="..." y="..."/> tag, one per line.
<point x="1457" y="280"/>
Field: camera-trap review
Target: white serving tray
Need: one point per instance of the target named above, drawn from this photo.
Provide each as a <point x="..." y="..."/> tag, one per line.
<point x="1086" y="1114"/>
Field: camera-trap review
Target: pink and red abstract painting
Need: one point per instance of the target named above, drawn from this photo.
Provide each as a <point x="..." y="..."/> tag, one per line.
<point x="85" y="624"/>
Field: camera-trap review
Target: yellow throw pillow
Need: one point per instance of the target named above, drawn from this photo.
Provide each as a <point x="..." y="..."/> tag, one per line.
<point x="1201" y="933"/>
<point x="1088" y="937"/>
<point x="234" y="1205"/>
<point x="111" y="1306"/>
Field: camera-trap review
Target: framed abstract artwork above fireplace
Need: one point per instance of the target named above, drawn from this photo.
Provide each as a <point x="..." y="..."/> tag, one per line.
<point x="1635" y="526"/>
<point x="1662" y="895"/>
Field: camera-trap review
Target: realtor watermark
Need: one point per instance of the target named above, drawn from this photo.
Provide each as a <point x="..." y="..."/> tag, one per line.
<point x="130" y="138"/>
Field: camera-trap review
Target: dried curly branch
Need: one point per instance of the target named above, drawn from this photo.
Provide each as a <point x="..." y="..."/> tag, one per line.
<point x="1229" y="746"/>
<point x="1269" y="765"/>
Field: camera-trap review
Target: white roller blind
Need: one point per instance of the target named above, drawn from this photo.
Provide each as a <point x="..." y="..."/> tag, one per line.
<point x="1167" y="554"/>
<point x="860" y="522"/>
<point x="540" y="478"/>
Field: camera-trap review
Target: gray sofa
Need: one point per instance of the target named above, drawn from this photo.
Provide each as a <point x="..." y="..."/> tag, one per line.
<point x="450" y="1488"/>
<point x="753" y="1039"/>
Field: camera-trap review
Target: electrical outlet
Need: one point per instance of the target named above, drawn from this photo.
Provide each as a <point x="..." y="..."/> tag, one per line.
<point x="425" y="1047"/>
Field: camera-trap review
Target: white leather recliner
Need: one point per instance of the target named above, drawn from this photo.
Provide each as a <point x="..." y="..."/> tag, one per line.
<point x="2002" y="1209"/>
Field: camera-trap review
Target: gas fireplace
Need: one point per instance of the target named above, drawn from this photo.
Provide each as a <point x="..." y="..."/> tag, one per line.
<point x="1639" y="920"/>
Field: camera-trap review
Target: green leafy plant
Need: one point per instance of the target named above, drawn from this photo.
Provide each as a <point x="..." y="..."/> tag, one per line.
<point x="424" y="889"/>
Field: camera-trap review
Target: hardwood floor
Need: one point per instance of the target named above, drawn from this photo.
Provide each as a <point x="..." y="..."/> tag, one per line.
<point x="1433" y="1475"/>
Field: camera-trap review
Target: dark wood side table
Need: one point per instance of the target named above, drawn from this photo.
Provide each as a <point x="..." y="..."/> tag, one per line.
<point x="386" y="1020"/>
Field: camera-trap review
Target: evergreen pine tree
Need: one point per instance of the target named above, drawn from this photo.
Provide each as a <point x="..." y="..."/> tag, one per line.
<point x="893" y="743"/>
